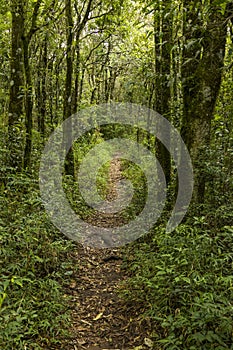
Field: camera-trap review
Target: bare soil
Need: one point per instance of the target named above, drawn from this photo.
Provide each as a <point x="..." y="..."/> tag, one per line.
<point x="101" y="319"/>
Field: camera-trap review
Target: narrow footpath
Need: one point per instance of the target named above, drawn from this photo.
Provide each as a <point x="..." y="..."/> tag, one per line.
<point x="101" y="320"/>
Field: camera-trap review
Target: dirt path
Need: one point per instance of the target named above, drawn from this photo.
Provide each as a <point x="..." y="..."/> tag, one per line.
<point x="101" y="319"/>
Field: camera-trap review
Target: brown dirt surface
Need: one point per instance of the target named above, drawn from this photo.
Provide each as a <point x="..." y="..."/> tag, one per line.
<point x="101" y="319"/>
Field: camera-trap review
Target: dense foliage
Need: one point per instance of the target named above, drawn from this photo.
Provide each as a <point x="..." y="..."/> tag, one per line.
<point x="185" y="280"/>
<point x="34" y="312"/>
<point x="175" y="57"/>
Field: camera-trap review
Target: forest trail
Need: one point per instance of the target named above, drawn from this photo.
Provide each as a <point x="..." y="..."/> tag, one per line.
<point x="101" y="320"/>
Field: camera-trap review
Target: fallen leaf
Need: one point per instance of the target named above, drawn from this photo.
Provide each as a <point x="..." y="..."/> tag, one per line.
<point x="83" y="321"/>
<point x="148" y="342"/>
<point x="81" y="329"/>
<point x="98" y="316"/>
<point x="73" y="284"/>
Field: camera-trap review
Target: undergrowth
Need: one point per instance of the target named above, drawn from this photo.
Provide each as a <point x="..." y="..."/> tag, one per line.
<point x="34" y="313"/>
<point x="185" y="280"/>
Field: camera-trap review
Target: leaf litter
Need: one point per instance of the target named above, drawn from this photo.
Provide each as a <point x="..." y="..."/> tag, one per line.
<point x="101" y="319"/>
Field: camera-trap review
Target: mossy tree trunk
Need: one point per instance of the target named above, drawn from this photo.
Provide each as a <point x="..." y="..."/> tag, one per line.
<point x="42" y="86"/>
<point x="15" y="112"/>
<point x="27" y="36"/>
<point x="163" y="45"/>
<point x="202" y="69"/>
<point x="67" y="112"/>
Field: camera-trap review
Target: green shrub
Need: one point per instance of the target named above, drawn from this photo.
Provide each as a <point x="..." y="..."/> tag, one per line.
<point x="33" y="312"/>
<point x="185" y="279"/>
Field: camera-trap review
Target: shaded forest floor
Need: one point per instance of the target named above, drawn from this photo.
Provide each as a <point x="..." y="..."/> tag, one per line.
<point x="100" y="318"/>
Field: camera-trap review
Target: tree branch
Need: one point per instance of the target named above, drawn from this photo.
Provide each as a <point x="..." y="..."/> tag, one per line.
<point x="34" y="19"/>
<point x="85" y="17"/>
<point x="99" y="16"/>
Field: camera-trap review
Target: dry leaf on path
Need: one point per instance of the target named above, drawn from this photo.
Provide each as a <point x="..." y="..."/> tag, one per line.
<point x="148" y="342"/>
<point x="98" y="316"/>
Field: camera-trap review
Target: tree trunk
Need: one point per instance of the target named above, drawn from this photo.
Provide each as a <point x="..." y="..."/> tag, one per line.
<point x="28" y="106"/>
<point x="203" y="61"/>
<point x="43" y="87"/>
<point x="162" y="39"/>
<point x="28" y="86"/>
<point x="77" y="77"/>
<point x="15" y="139"/>
<point x="69" y="162"/>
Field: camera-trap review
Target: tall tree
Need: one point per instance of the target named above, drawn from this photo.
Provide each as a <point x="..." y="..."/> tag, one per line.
<point x="16" y="83"/>
<point x="26" y="38"/>
<point x="41" y="85"/>
<point x="205" y="31"/>
<point x="69" y="163"/>
<point x="163" y="45"/>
